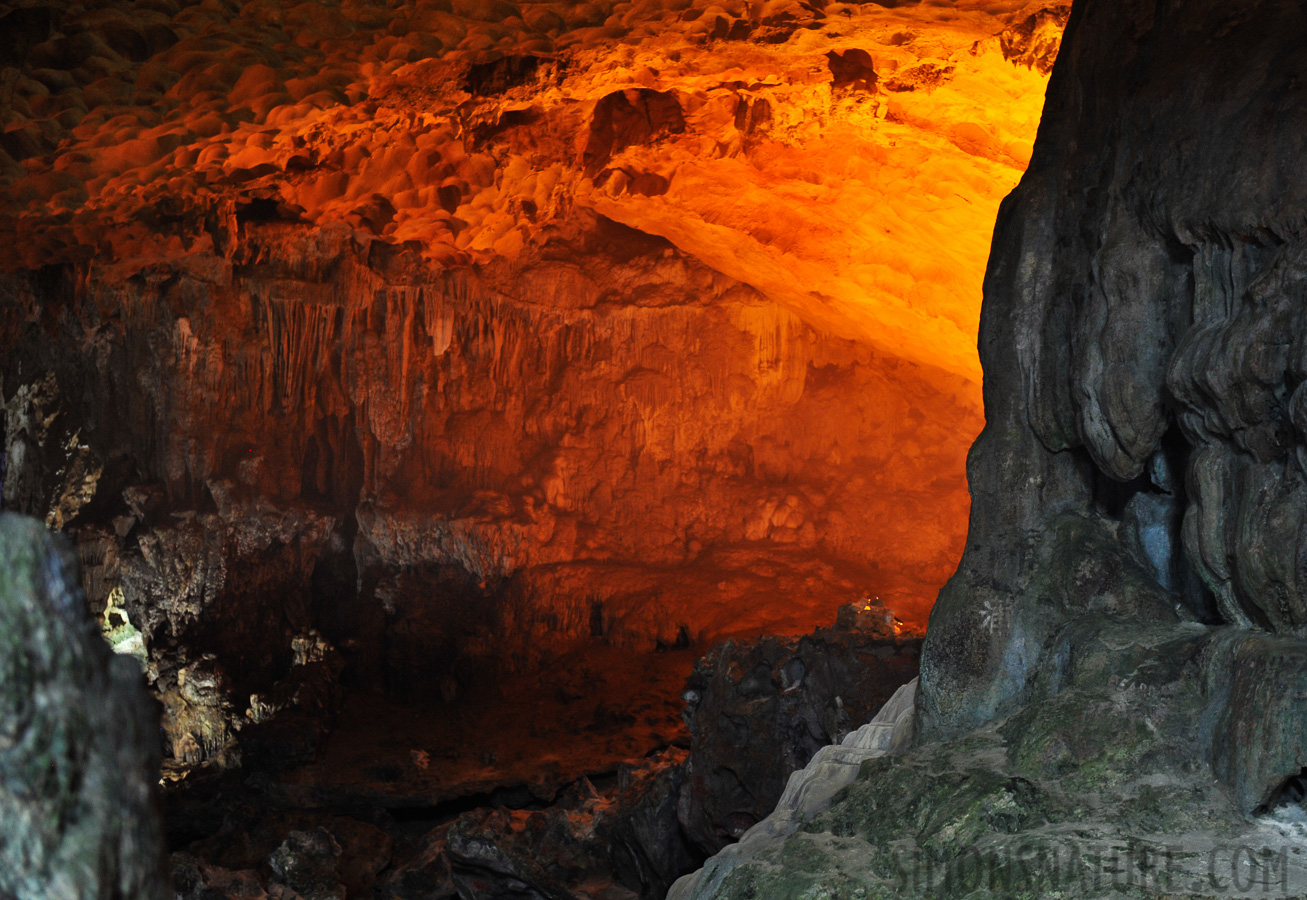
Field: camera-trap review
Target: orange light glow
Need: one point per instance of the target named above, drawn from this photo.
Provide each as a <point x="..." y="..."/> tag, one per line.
<point x="857" y="194"/>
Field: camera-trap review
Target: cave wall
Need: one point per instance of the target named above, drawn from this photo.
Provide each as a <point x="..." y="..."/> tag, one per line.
<point x="449" y="474"/>
<point x="413" y="341"/>
<point x="353" y="408"/>
<point x="1142" y="340"/>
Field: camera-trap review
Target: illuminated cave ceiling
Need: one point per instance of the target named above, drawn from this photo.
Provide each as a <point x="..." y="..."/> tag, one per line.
<point x="570" y="290"/>
<point x="761" y="138"/>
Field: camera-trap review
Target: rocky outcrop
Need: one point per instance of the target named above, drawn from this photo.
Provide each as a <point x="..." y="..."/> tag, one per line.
<point x="1143" y="373"/>
<point x="476" y="332"/>
<point x="1101" y="787"/>
<point x="809" y="791"/>
<point x="1107" y="667"/>
<point x="625" y="840"/>
<point x="78" y="758"/>
<point x="760" y="710"/>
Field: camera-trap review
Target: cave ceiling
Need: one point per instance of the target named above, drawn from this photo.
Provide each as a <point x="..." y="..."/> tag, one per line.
<point x="845" y="159"/>
<point x="507" y="287"/>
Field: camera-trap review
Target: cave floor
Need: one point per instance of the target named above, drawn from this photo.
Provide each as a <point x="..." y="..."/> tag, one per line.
<point x="516" y="739"/>
<point x="531" y="733"/>
<point x="592" y="737"/>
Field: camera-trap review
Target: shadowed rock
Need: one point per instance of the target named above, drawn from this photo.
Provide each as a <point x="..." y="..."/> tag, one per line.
<point x="78" y="753"/>
<point x="759" y="711"/>
<point x="1144" y="284"/>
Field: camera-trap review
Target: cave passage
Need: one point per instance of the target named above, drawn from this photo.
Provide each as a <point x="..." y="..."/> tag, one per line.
<point x="429" y="387"/>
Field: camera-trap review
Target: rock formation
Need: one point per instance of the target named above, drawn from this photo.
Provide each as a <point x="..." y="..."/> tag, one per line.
<point x="477" y="332"/>
<point x="810" y="790"/>
<point x="759" y="711"/>
<point x="78" y="752"/>
<point x="1110" y="693"/>
<point x="1143" y="373"/>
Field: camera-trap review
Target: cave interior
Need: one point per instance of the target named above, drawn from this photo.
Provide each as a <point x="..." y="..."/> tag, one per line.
<point x="503" y="441"/>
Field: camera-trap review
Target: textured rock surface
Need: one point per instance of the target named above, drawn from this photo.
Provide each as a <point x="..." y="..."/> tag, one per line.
<point x="1101" y="785"/>
<point x="306" y="862"/>
<point x="755" y="136"/>
<point x="1107" y="679"/>
<point x="77" y="755"/>
<point x="1146" y="369"/>
<point x="759" y="711"/>
<point x="809" y="791"/>
<point x="475" y="332"/>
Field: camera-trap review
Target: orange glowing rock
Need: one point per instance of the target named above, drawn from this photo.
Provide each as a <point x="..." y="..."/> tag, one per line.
<point x="844" y="160"/>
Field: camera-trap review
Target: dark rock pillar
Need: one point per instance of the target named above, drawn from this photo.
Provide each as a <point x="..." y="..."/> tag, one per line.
<point x="79" y="753"/>
<point x="1144" y="343"/>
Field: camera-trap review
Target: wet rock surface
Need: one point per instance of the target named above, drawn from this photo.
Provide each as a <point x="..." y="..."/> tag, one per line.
<point x="78" y="763"/>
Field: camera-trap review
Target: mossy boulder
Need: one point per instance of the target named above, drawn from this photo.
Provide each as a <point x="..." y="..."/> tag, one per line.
<point x="78" y="738"/>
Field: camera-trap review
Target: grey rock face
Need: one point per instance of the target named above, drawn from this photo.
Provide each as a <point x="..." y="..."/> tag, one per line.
<point x="78" y="744"/>
<point x="1143" y="306"/>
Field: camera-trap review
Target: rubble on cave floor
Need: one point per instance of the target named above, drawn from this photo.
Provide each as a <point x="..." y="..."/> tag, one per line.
<point x="585" y="783"/>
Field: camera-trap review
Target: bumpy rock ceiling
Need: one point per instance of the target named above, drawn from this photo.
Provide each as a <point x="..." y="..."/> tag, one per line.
<point x="574" y="290"/>
<point x="760" y="138"/>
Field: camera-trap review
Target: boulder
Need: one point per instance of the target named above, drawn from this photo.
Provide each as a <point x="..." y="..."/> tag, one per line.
<point x="758" y="711"/>
<point x="79" y="757"/>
